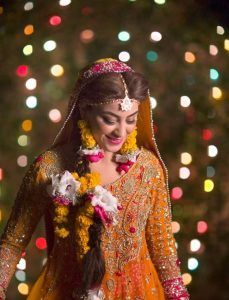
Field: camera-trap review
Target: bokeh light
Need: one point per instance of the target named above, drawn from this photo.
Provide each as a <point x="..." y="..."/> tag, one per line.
<point x="22" y="161"/>
<point x="226" y="45"/>
<point x="23" y="140"/>
<point x="41" y="243"/>
<point x="57" y="70"/>
<point x="153" y="102"/>
<point x="220" y="30"/>
<point x="27" y="125"/>
<point x="87" y="35"/>
<point x="210" y="171"/>
<point x="28" y="5"/>
<point x="31" y="102"/>
<point x="124" y="56"/>
<point x="55" y="20"/>
<point x="155" y="36"/>
<point x="29" y="29"/>
<point x="189" y="57"/>
<point x="186" y="158"/>
<point x="20" y="275"/>
<point x="214" y="74"/>
<point x="208" y="185"/>
<point x="195" y="245"/>
<point x="212" y="151"/>
<point x="187" y="278"/>
<point x="216" y="93"/>
<point x="152" y="56"/>
<point x="184" y="173"/>
<point x="213" y="50"/>
<point x="28" y="50"/>
<point x="202" y="227"/>
<point x="176" y="193"/>
<point x="160" y="2"/>
<point x="49" y="45"/>
<point x="185" y="101"/>
<point x="123" y="36"/>
<point x="64" y="2"/>
<point x="23" y="288"/>
<point x="55" y="115"/>
<point x="22" y="70"/>
<point x="22" y="264"/>
<point x="1" y="174"/>
<point x="192" y="263"/>
<point x="207" y="134"/>
<point x="175" y="227"/>
<point x="31" y="84"/>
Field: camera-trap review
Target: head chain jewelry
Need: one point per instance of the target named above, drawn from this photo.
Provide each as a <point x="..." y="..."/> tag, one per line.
<point x="100" y="67"/>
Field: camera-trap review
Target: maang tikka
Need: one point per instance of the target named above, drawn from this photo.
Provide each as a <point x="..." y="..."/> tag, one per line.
<point x="126" y="103"/>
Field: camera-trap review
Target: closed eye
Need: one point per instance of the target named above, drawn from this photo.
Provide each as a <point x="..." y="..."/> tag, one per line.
<point x="131" y="121"/>
<point x="108" y="121"/>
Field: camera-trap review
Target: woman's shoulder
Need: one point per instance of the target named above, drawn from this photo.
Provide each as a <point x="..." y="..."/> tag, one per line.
<point x="50" y="161"/>
<point x="150" y="157"/>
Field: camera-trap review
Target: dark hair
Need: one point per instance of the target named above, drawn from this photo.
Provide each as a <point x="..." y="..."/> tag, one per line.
<point x="109" y="86"/>
<point x="104" y="87"/>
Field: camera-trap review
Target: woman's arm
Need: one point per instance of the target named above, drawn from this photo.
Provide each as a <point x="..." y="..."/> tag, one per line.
<point x="161" y="243"/>
<point x="30" y="204"/>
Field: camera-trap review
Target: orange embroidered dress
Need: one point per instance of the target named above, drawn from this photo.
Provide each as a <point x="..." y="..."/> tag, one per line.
<point x="139" y="251"/>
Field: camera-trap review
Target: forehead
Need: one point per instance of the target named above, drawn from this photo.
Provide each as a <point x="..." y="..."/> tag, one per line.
<point x="116" y="109"/>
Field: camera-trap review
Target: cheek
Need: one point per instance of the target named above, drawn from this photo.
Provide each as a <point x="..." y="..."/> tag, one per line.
<point x="131" y="128"/>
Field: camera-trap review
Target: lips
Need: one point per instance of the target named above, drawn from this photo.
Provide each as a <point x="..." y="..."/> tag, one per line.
<point x="114" y="141"/>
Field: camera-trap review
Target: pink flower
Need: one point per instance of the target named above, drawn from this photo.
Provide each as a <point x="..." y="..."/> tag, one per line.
<point x="100" y="212"/>
<point x="124" y="166"/>
<point x="95" y="157"/>
<point x="62" y="200"/>
<point x="39" y="158"/>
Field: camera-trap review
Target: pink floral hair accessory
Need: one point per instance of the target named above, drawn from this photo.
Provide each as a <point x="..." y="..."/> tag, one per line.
<point x="106" y="65"/>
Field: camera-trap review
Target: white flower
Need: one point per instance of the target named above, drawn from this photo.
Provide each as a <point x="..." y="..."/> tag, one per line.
<point x="124" y="158"/>
<point x="95" y="295"/>
<point x="104" y="199"/>
<point x="94" y="151"/>
<point x="64" y="185"/>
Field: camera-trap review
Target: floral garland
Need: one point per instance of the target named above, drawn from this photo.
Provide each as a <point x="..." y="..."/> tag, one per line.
<point x="93" y="200"/>
<point x="93" y="153"/>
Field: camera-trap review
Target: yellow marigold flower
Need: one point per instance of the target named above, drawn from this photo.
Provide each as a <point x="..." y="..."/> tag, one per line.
<point x="85" y="221"/>
<point x="93" y="179"/>
<point x="89" y="209"/>
<point x="86" y="135"/>
<point x="61" y="232"/>
<point x="60" y="219"/>
<point x="75" y="175"/>
<point x="82" y="124"/>
<point x="62" y="210"/>
<point x="130" y="143"/>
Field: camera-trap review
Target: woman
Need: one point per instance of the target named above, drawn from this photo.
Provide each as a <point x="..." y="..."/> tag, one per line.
<point x="102" y="187"/>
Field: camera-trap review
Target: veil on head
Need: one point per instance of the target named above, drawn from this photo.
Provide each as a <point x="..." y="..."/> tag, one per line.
<point x="145" y="136"/>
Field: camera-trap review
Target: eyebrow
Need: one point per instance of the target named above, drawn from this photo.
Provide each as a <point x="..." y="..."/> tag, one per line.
<point x="114" y="115"/>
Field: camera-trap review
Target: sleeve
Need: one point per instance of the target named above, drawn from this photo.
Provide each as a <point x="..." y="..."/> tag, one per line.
<point x="161" y="243"/>
<point x="29" y="206"/>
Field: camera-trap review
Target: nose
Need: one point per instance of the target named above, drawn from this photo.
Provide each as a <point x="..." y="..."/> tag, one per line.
<point x="120" y="130"/>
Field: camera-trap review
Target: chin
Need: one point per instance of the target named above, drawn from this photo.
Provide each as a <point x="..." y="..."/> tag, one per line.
<point x="113" y="148"/>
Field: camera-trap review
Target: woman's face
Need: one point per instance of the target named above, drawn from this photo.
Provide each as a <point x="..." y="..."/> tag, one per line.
<point x="110" y="125"/>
